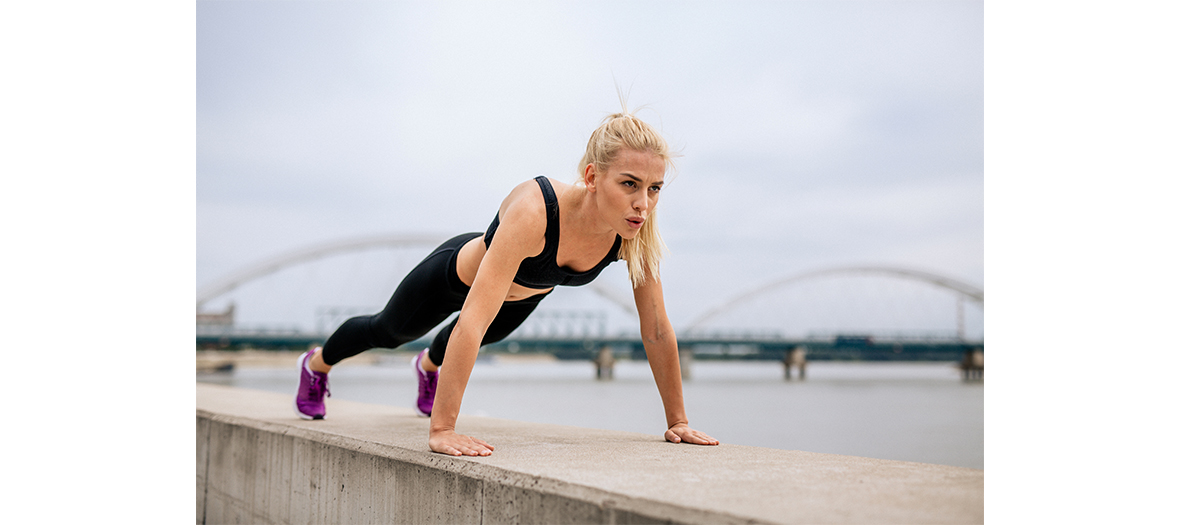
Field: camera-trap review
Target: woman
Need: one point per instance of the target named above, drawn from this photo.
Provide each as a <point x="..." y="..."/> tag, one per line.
<point x="546" y="233"/>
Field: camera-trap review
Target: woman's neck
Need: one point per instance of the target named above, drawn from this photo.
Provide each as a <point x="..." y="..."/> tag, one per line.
<point x="580" y="207"/>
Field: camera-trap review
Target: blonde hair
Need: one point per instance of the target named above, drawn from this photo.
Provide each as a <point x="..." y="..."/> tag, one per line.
<point x="624" y="130"/>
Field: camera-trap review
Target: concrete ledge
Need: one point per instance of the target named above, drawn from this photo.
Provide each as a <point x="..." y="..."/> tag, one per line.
<point x="257" y="462"/>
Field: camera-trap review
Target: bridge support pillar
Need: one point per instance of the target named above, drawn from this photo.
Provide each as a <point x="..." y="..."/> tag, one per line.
<point x="972" y="364"/>
<point x="604" y="363"/>
<point x="685" y="363"/>
<point x="796" y="357"/>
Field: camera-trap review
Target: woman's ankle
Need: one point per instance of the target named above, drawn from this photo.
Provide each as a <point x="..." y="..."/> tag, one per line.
<point x="317" y="364"/>
<point x="426" y="364"/>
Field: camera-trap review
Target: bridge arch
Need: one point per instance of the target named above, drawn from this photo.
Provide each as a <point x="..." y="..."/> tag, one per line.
<point x="964" y="290"/>
<point x="269" y="266"/>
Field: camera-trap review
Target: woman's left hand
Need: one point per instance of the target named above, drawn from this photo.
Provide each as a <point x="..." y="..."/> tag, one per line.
<point x="681" y="433"/>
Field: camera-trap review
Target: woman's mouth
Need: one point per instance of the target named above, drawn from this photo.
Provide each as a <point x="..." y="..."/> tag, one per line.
<point x="635" y="222"/>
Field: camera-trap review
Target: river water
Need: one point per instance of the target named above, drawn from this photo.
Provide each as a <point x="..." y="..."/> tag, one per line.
<point x="918" y="412"/>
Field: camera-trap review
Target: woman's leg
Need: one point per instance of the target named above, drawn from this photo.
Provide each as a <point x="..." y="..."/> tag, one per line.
<point x="425" y="298"/>
<point x="510" y="317"/>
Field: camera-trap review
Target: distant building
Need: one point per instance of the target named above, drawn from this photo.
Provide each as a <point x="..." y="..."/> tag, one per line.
<point x="225" y="318"/>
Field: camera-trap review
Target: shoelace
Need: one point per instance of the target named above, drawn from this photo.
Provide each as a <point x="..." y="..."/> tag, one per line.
<point x="428" y="386"/>
<point x="317" y="384"/>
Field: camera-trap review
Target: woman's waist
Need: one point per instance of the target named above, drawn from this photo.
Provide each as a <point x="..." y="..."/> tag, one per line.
<point x="465" y="264"/>
<point x="520" y="293"/>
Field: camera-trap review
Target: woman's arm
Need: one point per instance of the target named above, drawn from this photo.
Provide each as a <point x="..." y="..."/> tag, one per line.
<point x="659" y="341"/>
<point x="521" y="234"/>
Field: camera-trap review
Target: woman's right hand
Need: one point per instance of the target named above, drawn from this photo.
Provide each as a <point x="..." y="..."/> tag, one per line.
<point x="453" y="444"/>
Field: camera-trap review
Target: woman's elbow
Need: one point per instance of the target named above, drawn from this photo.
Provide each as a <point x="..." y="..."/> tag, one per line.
<point x="659" y="335"/>
<point x="466" y="333"/>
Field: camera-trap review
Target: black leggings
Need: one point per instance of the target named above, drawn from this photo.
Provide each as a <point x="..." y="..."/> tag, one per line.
<point x="429" y="294"/>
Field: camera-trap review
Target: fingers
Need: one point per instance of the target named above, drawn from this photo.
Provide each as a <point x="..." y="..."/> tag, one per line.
<point x="468" y="451"/>
<point x="483" y="444"/>
<point x="688" y="435"/>
<point x="460" y="445"/>
<point x="465" y="451"/>
<point x="700" y="438"/>
<point x="473" y="447"/>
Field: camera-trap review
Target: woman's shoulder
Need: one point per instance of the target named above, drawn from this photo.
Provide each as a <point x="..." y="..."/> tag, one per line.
<point x="525" y="197"/>
<point x="525" y="205"/>
<point x="559" y="187"/>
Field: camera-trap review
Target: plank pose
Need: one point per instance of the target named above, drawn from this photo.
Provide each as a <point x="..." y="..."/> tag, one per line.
<point x="547" y="233"/>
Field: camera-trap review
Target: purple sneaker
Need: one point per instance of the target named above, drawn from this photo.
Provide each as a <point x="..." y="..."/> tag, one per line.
<point x="313" y="386"/>
<point x="427" y="381"/>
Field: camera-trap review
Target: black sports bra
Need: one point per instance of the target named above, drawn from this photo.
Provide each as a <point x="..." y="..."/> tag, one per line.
<point x="542" y="270"/>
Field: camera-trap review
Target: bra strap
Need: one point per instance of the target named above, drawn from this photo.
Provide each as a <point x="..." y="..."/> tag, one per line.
<point x="553" y="225"/>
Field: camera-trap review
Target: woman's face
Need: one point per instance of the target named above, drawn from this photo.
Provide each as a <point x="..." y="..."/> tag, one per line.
<point x="628" y="191"/>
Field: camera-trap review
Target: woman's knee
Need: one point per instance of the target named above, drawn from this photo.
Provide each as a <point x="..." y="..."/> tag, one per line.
<point x="351" y="338"/>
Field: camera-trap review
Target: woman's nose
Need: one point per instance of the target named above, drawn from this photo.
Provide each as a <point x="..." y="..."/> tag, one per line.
<point x="641" y="203"/>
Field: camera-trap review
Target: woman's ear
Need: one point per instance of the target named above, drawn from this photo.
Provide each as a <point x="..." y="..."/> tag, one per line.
<point x="589" y="177"/>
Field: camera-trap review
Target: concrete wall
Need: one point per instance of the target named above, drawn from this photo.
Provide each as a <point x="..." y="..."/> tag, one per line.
<point x="258" y="463"/>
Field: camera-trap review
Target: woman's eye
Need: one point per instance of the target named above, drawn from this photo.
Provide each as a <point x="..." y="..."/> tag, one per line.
<point x="655" y="189"/>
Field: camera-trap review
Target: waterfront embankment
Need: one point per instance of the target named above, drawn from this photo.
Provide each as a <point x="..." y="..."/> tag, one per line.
<point x="257" y="462"/>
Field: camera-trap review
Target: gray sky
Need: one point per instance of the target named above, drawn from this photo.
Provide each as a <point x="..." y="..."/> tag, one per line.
<point x="813" y="134"/>
<point x="1081" y="190"/>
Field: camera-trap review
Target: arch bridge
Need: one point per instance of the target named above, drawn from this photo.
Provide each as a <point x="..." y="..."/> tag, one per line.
<point x="963" y="290"/>
<point x="272" y="265"/>
<point x="576" y="342"/>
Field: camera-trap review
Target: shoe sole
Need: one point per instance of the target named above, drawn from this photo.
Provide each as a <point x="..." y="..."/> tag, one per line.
<point x="295" y="402"/>
<point x="295" y="405"/>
